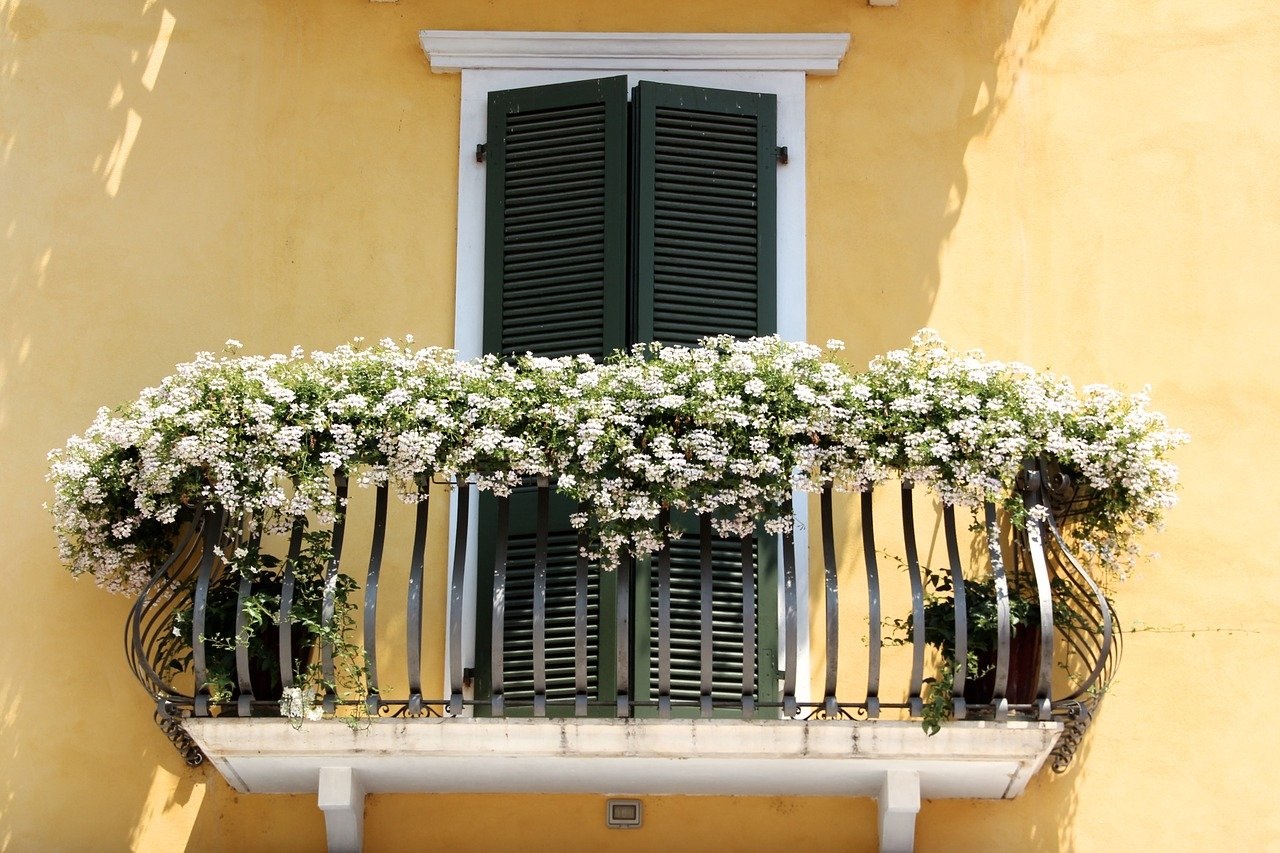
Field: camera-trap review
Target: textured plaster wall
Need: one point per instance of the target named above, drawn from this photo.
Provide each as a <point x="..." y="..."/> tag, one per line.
<point x="1089" y="187"/>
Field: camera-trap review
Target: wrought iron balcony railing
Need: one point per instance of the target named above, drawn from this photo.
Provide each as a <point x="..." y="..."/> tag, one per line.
<point x="517" y="623"/>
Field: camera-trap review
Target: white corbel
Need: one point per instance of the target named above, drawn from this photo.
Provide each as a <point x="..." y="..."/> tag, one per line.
<point x="899" y="803"/>
<point x="341" y="798"/>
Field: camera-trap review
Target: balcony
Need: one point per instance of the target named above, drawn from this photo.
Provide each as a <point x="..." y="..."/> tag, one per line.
<point x="495" y="657"/>
<point x="738" y="568"/>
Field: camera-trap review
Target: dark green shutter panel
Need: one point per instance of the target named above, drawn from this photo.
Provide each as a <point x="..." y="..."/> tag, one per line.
<point x="555" y="284"/>
<point x="727" y="620"/>
<point x="705" y="213"/>
<point x="561" y="620"/>
<point x="704" y="263"/>
<point x="555" y="231"/>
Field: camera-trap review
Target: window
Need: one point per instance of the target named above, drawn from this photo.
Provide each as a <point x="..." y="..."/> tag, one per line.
<point x="611" y="222"/>
<point x="757" y="62"/>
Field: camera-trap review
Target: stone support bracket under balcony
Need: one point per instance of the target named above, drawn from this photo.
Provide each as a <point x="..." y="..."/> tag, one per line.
<point x="893" y="761"/>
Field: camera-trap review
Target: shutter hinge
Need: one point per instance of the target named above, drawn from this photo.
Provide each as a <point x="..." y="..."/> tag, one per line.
<point x="782" y="155"/>
<point x="481" y="150"/>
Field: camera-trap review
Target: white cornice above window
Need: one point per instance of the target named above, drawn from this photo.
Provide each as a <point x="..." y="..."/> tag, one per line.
<point x="459" y="50"/>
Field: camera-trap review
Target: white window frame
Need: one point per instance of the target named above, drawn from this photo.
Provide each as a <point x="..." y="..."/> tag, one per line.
<point x="774" y="63"/>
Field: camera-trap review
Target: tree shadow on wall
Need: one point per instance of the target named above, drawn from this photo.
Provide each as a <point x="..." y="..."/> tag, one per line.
<point x="888" y="137"/>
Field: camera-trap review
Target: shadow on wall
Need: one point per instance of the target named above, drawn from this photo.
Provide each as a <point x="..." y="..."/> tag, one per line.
<point x="888" y="139"/>
<point x="1040" y="821"/>
<point x="88" y="94"/>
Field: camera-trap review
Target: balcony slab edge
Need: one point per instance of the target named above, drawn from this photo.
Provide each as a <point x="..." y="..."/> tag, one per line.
<point x="617" y="756"/>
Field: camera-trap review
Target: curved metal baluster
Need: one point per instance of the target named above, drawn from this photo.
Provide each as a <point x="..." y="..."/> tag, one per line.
<point x="748" y="628"/>
<point x="664" y="618"/>
<point x="873" y="605"/>
<point x="790" y="620"/>
<point x="1109" y="634"/>
<point x="1040" y="566"/>
<point x="1003" y="633"/>
<point x="151" y="615"/>
<point x="958" y="709"/>
<point x="199" y="611"/>
<point x="498" y="629"/>
<point x="829" y="704"/>
<point x="540" y="599"/>
<point x="914" y="700"/>
<point x="148" y="609"/>
<point x="287" y="582"/>
<point x="371" y="597"/>
<point x="413" y="621"/>
<point x="706" y="596"/>
<point x="457" y="586"/>
<point x="580" y="627"/>
<point x="329" y="602"/>
<point x="1083" y="631"/>
<point x="244" y="702"/>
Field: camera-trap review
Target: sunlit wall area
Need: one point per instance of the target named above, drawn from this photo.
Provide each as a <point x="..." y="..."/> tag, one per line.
<point x="1088" y="188"/>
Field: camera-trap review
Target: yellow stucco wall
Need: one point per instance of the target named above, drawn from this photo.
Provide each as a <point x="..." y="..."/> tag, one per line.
<point x="1090" y="187"/>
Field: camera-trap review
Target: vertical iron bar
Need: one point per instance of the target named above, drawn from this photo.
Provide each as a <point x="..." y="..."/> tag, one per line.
<point x="917" y="601"/>
<point x="371" y="596"/>
<point x="413" y="620"/>
<point x="707" y="626"/>
<point x="580" y="628"/>
<point x="622" y="622"/>
<point x="244" y="702"/>
<point x="748" y="628"/>
<point x="961" y="612"/>
<point x="664" y="618"/>
<point x="287" y="583"/>
<point x="457" y="580"/>
<point x="829" y="704"/>
<point x="497" y="636"/>
<point x="199" y="610"/>
<point x="329" y="605"/>
<point x="790" y="618"/>
<point x="1003" y="633"/>
<point x="873" y="605"/>
<point x="540" y="599"/>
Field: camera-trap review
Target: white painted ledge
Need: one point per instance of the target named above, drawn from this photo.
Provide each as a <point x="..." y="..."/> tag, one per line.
<point x="462" y="50"/>
<point x="732" y="757"/>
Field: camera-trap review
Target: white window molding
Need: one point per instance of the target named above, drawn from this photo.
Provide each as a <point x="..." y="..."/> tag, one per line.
<point x="776" y="63"/>
<point x="806" y="53"/>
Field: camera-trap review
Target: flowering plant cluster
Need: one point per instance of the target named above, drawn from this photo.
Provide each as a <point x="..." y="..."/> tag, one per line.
<point x="730" y="428"/>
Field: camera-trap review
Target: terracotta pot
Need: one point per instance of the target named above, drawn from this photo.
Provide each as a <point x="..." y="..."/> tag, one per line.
<point x="1024" y="661"/>
<point x="265" y="680"/>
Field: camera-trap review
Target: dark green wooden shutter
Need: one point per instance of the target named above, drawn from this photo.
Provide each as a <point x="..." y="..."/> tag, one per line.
<point x="556" y="219"/>
<point x="704" y="263"/>
<point x="561" y="621"/>
<point x="704" y="213"/>
<point x="728" y="632"/>
<point x="555" y="284"/>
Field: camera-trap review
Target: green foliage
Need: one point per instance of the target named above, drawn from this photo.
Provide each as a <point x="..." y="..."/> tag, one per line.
<point x="982" y="611"/>
<point x="260" y="624"/>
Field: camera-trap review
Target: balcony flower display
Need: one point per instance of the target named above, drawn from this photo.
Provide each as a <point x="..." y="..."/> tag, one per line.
<point x="731" y="427"/>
